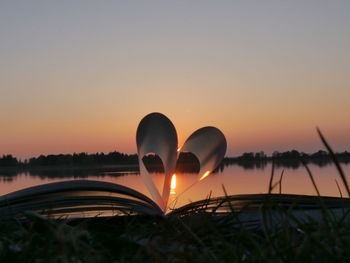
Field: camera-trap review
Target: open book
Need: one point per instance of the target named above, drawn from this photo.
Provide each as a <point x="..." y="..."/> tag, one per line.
<point x="84" y="198"/>
<point x="155" y="135"/>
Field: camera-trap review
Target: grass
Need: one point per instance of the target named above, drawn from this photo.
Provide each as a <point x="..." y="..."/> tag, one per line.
<point x="201" y="237"/>
<point x="196" y="237"/>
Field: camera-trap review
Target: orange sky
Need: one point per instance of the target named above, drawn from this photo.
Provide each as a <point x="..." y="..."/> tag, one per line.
<point x="79" y="77"/>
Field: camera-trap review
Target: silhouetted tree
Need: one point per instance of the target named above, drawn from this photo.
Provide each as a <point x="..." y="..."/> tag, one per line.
<point x="8" y="160"/>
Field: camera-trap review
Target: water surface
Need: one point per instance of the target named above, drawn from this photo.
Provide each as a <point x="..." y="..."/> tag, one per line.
<point x="235" y="179"/>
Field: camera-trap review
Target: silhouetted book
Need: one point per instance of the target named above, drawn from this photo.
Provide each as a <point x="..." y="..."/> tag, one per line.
<point x="156" y="136"/>
<point x="84" y="198"/>
<point x="77" y="198"/>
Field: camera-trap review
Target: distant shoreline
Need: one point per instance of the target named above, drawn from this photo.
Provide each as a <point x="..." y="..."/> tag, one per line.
<point x="187" y="162"/>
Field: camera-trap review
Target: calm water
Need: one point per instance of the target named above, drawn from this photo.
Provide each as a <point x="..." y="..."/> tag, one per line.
<point x="236" y="180"/>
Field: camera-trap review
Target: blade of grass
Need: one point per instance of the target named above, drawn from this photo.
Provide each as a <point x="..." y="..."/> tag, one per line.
<point x="233" y="211"/>
<point x="280" y="184"/>
<point x="341" y="195"/>
<point x="335" y="160"/>
<point x="311" y="176"/>
<point x="274" y="185"/>
<point x="271" y="177"/>
<point x="327" y="213"/>
<point x="267" y="223"/>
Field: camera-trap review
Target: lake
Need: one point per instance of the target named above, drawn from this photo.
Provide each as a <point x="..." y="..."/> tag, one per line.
<point x="236" y="180"/>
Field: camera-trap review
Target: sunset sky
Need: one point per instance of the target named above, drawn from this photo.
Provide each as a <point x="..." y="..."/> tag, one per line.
<point x="78" y="76"/>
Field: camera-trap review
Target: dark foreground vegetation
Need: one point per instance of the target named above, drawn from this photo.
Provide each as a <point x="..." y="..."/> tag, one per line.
<point x="199" y="237"/>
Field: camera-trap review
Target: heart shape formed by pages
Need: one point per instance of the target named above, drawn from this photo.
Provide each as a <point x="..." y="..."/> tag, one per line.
<point x="157" y="135"/>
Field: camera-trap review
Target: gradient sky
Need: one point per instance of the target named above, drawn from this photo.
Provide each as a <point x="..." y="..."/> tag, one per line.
<point x="79" y="75"/>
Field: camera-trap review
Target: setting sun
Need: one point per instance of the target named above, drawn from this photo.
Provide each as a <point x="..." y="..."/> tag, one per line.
<point x="173" y="184"/>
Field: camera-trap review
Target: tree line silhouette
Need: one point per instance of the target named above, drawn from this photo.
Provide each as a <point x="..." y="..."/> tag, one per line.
<point x="76" y="159"/>
<point x="186" y="162"/>
<point x="289" y="159"/>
